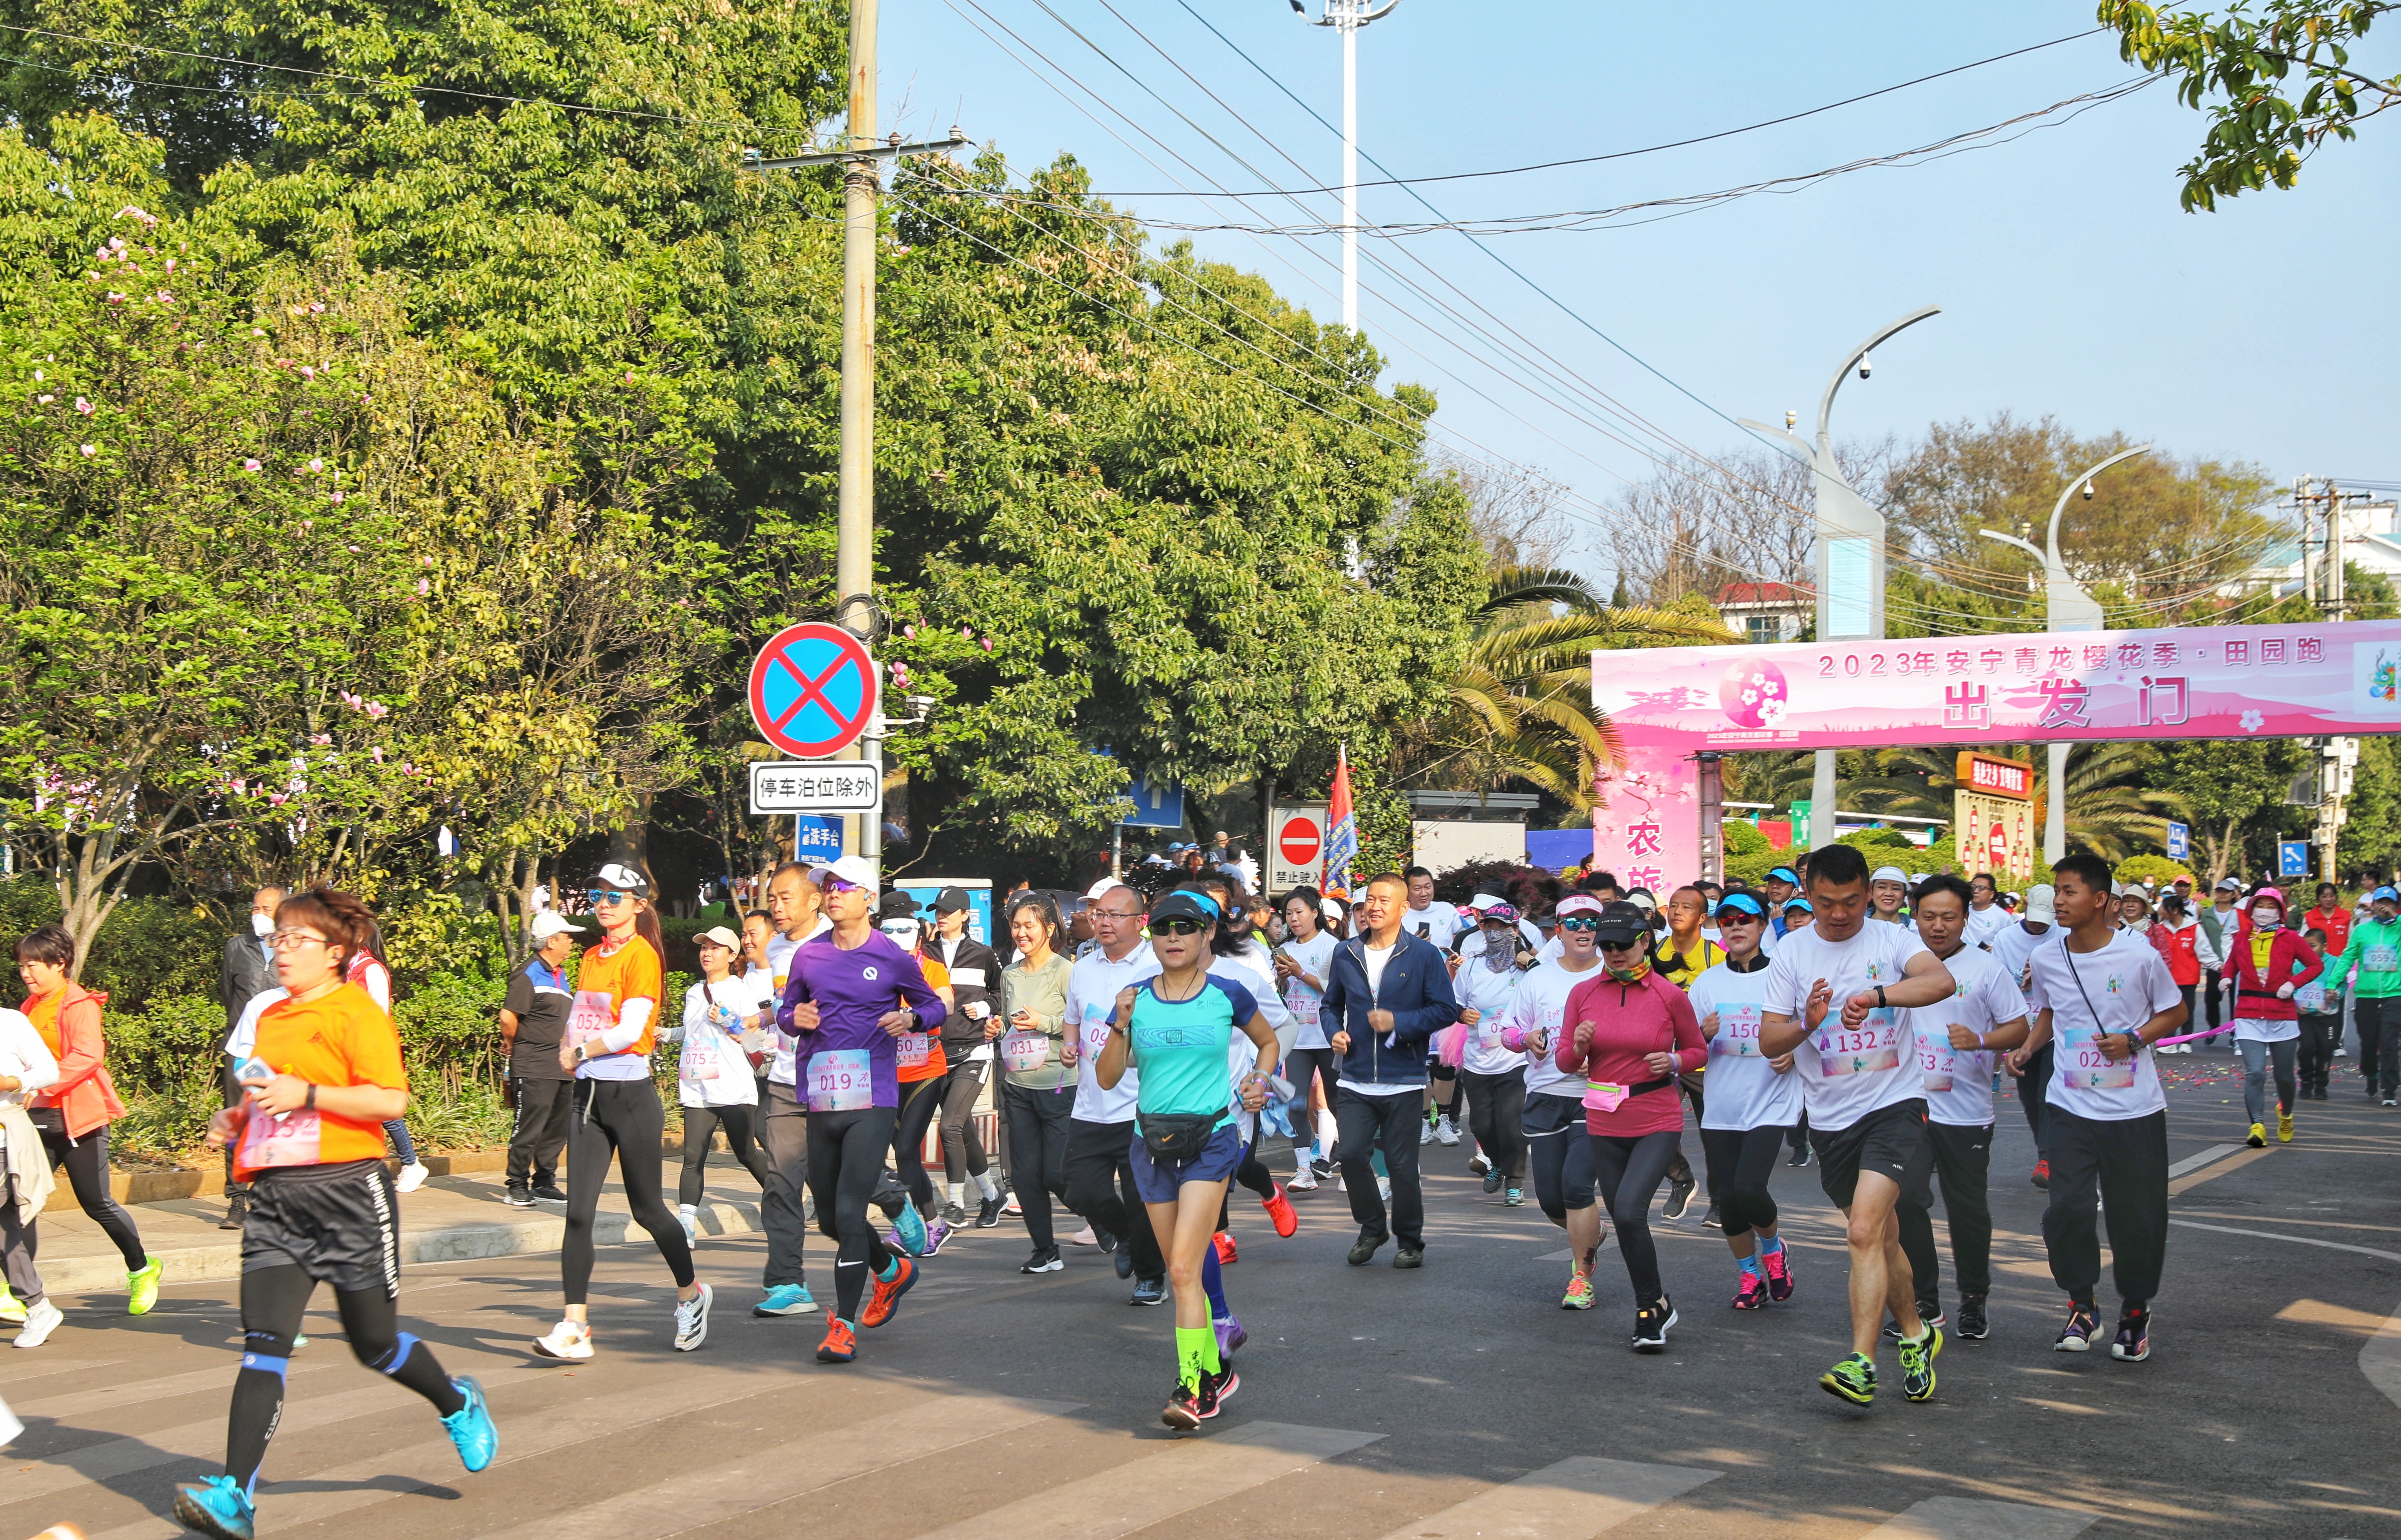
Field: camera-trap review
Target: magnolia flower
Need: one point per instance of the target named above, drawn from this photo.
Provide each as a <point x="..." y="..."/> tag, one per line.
<point x="115" y="298"/>
<point x="88" y="451"/>
<point x="306" y="373"/>
<point x="337" y="499"/>
<point x="376" y="754"/>
<point x="117" y="243"/>
<point x="257" y="332"/>
<point x="323" y="740"/>
<point x="967" y="631"/>
<point x="423" y="588"/>
<point x="38" y="376"/>
<point x="910" y="631"/>
<point x="45" y="400"/>
<point x="316" y="465"/>
<point x="163" y="298"/>
<point x="276" y="797"/>
<point x="170" y="265"/>
<point x="350" y="700"/>
<point x="249" y="465"/>
<point x="84" y="407"/>
<point x="629" y="376"/>
<point x="987" y="644"/>
<point x="376" y="708"/>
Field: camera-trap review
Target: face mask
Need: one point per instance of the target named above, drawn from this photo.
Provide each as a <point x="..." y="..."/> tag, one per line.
<point x="2267" y="917"/>
<point x="262" y="925"/>
<point x="1498" y="954"/>
<point x="1627" y="975"/>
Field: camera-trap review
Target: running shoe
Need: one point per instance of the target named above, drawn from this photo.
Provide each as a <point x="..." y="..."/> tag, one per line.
<point x="1972" y="1325"/>
<point x="547" y="1192"/>
<point x="1777" y="1264"/>
<point x="1216" y="1387"/>
<point x="884" y="1302"/>
<point x="1322" y="1168"/>
<point x="785" y="1300"/>
<point x="1752" y="1292"/>
<point x="1929" y="1314"/>
<point x="1150" y="1292"/>
<point x="909" y="1226"/>
<point x="12" y="1309"/>
<point x="1084" y="1237"/>
<point x="988" y="1213"/>
<point x="471" y="1427"/>
<point x="567" y="1340"/>
<point x="518" y="1197"/>
<point x="2133" y="1343"/>
<point x="1224" y="1241"/>
<point x="1045" y="1259"/>
<point x="1446" y="1132"/>
<point x="1364" y="1249"/>
<point x="1230" y="1335"/>
<point x="216" y="1507"/>
<point x="1515" y="1198"/>
<point x="1106" y="1242"/>
<point x="2042" y="1173"/>
<point x="936" y="1233"/>
<point x="1480" y="1164"/>
<point x="411" y="1175"/>
<point x="1917" y="1355"/>
<point x="840" y="1344"/>
<point x="1680" y="1194"/>
<point x="1279" y="1209"/>
<point x="1650" y="1324"/>
<point x="692" y="1319"/>
<point x="1124" y="1259"/>
<point x="1711" y="1218"/>
<point x="1854" y="1380"/>
<point x="2284" y="1127"/>
<point x="1492" y="1179"/>
<point x="1410" y="1255"/>
<point x="691" y="1222"/>
<point x="954" y="1215"/>
<point x="1798" y="1157"/>
<point x="40" y="1321"/>
<point x="1181" y="1411"/>
<point x="2083" y="1325"/>
<point x="142" y="1287"/>
<point x="1303" y="1180"/>
<point x="2259" y="1136"/>
<point x="2389" y="1101"/>
<point x="1011" y="1207"/>
<point x="238" y="1209"/>
<point x="1579" y="1294"/>
<point x="1425" y="1132"/>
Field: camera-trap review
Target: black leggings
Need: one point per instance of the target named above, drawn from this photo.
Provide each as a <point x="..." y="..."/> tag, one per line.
<point x="920" y="1099"/>
<point x="87" y="1163"/>
<point x="273" y="1302"/>
<point x="846" y="1162"/>
<point x="1740" y="1161"/>
<point x="1496" y="1113"/>
<point x="620" y="1118"/>
<point x="963" y="1153"/>
<point x="1445" y="1089"/>
<point x="1629" y="1172"/>
<point x="741" y="1124"/>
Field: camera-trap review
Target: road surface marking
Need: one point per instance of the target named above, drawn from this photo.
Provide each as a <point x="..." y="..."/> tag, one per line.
<point x="1184" y="1475"/>
<point x="2194" y="1163"/>
<point x="1966" y="1518"/>
<point x="1572" y="1500"/>
<point x="2216" y="1167"/>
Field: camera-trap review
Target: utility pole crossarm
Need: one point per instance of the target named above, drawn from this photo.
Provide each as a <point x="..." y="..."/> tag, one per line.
<point x="753" y="161"/>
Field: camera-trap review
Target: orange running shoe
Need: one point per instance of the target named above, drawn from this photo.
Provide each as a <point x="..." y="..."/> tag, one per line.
<point x="886" y="1298"/>
<point x="1279" y="1209"/>
<point x="841" y="1345"/>
<point x="1224" y="1241"/>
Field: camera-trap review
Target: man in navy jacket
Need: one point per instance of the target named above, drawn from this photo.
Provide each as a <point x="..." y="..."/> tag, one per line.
<point x="1386" y="993"/>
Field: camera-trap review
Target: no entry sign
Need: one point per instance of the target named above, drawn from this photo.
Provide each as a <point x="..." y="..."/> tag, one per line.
<point x="1300" y="841"/>
<point x="1295" y="848"/>
<point x="812" y="689"/>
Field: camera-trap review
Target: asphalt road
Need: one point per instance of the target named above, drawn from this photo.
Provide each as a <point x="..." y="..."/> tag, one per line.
<point x="1455" y="1401"/>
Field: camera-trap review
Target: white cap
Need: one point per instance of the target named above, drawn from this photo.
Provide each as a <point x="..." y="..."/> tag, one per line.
<point x="1105" y="885"/>
<point x="1890" y="874"/>
<point x="548" y="924"/>
<point x="624" y="879"/>
<point x="1916" y="877"/>
<point x="852" y="869"/>
<point x="2039" y="906"/>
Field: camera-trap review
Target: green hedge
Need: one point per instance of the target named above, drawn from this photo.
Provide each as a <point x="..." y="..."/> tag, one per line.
<point x="148" y="947"/>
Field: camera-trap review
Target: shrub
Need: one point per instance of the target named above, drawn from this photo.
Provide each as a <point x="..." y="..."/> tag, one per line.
<point x="148" y="947"/>
<point x="1530" y="888"/>
<point x="2155" y="868"/>
<point x="1741" y="836"/>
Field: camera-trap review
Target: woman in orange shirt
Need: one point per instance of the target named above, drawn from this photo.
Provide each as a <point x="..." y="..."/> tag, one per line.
<point x="308" y="1139"/>
<point x="917" y="1226"/>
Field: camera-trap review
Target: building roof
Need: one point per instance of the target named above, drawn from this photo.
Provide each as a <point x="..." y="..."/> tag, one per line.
<point x="1764" y="593"/>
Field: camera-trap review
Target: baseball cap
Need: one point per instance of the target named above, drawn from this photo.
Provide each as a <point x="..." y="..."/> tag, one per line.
<point x="1889" y="873"/>
<point x="1641" y="898"/>
<point x="1620" y="923"/>
<point x="1575" y="904"/>
<point x="717" y="935"/>
<point x="2276" y="893"/>
<point x="2380" y="892"/>
<point x="1332" y="908"/>
<point x="1916" y="877"/>
<point x="852" y="869"/>
<point x="1484" y="899"/>
<point x="896" y="906"/>
<point x="2039" y="906"/>
<point x="1800" y="903"/>
<point x="1496" y="909"/>
<point x="1783" y="874"/>
<point x="950" y="900"/>
<point x="548" y="924"/>
<point x="1187" y="904"/>
<point x="2226" y="882"/>
<point x="624" y="879"/>
<point x="1742" y="904"/>
<point x="1105" y="885"/>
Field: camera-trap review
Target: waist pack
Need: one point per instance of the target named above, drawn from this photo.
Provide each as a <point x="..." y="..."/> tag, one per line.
<point x="1177" y="1137"/>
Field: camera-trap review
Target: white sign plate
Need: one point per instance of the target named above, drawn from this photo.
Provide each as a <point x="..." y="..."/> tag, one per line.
<point x="816" y="785"/>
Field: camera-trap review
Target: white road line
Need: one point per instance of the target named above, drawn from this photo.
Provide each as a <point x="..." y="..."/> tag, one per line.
<point x="1185" y="1476"/>
<point x="36" y="1367"/>
<point x="218" y="1377"/>
<point x="2297" y="1240"/>
<point x="1573" y="1500"/>
<point x="2194" y="1163"/>
<point x="1968" y="1519"/>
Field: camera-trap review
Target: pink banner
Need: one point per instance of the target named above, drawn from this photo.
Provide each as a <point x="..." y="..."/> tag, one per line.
<point x="1667" y="704"/>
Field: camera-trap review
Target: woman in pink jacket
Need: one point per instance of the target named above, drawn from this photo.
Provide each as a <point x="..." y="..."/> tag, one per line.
<point x="2267" y="963"/>
<point x="1632" y="1034"/>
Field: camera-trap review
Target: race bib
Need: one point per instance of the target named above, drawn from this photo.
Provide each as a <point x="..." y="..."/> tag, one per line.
<point x="1737" y="1032"/>
<point x="839" y="1081"/>
<point x="915" y="1049"/>
<point x="1023" y="1051"/>
<point x="1863" y="1050"/>
<point x="2383" y="959"/>
<point x="701" y="1062"/>
<point x="593" y="1014"/>
<point x="1299" y="1000"/>
<point x="1603" y="1097"/>
<point x="290" y="1139"/>
<point x="1487" y="1030"/>
<point x="2083" y="1065"/>
<point x="1937" y="1060"/>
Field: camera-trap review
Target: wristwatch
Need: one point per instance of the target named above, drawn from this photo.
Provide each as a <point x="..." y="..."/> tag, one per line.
<point x="2133" y="1044"/>
<point x="1880" y="999"/>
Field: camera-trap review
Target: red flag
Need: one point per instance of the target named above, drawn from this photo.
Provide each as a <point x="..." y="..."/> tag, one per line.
<point x="1341" y="828"/>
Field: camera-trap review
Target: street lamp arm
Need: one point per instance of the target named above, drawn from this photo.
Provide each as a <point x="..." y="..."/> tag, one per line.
<point x="1800" y="446"/>
<point x="2027" y="546"/>
<point x="1331" y="19"/>
<point x="1826" y="402"/>
<point x="2069" y="490"/>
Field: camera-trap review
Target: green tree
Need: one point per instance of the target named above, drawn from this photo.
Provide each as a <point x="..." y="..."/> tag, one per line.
<point x="2234" y="787"/>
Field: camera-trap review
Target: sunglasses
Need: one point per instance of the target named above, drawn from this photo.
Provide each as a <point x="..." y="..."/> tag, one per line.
<point x="1580" y="922"/>
<point x="836" y="885"/>
<point x="1631" y="945"/>
<point x="1178" y="925"/>
<point x="608" y="896"/>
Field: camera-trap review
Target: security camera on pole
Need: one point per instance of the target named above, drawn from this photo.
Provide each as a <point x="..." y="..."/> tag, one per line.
<point x="1349" y="16"/>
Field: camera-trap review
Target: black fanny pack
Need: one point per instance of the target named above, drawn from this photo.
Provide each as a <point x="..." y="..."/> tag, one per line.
<point x="48" y="1120"/>
<point x="1177" y="1135"/>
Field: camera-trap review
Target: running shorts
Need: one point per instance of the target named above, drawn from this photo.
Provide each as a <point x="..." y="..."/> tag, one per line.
<point x="339" y="1224"/>
<point x="1158" y="1180"/>
<point x="1891" y="1140"/>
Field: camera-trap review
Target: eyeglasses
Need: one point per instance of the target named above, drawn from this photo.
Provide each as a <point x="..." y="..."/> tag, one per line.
<point x="1119" y="914"/>
<point x="1580" y="922"/>
<point x="608" y="896"/>
<point x="292" y="941"/>
<point x="1179" y="925"/>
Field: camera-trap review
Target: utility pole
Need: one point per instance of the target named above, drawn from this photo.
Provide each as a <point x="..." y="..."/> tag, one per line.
<point x="1850" y="557"/>
<point x="1348" y="17"/>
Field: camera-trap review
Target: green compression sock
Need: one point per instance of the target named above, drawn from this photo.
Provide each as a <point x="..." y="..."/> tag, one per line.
<point x="1196" y="1354"/>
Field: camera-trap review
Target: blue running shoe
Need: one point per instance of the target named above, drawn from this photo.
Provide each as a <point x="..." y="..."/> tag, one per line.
<point x="471" y="1426"/>
<point x="215" y="1506"/>
<point x="910" y="1227"/>
<point x="785" y="1300"/>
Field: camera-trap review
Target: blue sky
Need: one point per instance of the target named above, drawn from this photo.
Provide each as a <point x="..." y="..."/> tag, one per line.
<point x="2070" y="280"/>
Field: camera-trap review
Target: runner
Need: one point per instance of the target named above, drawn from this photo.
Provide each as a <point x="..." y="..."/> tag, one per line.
<point x="1100" y="1126"/>
<point x="1492" y="1073"/>
<point x="851" y="996"/>
<point x="1754" y="1100"/>
<point x="1176" y="1029"/>
<point x="1037" y="1065"/>
<point x="1958" y="1045"/>
<point x="2177" y="936"/>
<point x="73" y="1112"/>
<point x="2320" y="1004"/>
<point x="1889" y="896"/>
<point x="2104" y="995"/>
<point x="1429" y="919"/>
<point x="2267" y="963"/>
<point x="1388" y="993"/>
<point x="1245" y="953"/>
<point x="326" y="1074"/>
<point x="796" y="908"/>
<point x="908" y="1199"/>
<point x="2375" y="951"/>
<point x="2014" y="948"/>
<point x="1986" y="916"/>
<point x="724" y="1027"/>
<point x="1632" y="1034"/>
<point x="1301" y="964"/>
<point x="975" y="973"/>
<point x="1680" y="956"/>
<point x="616" y="1112"/>
<point x="27" y="1068"/>
<point x="1835" y="993"/>
<point x="533" y="1021"/>
<point x="1559" y="1149"/>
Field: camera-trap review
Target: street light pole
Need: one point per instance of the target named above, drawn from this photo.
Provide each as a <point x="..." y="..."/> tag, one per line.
<point x="2068" y="607"/>
<point x="1849" y="558"/>
<point x="1349" y="16"/>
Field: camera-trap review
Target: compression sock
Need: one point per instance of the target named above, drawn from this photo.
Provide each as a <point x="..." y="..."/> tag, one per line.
<point x="891" y="1267"/>
<point x="984" y="1184"/>
<point x="1325" y="1135"/>
<point x="958" y="1194"/>
<point x="411" y="1363"/>
<point x="1212" y="1279"/>
<point x="258" y="1406"/>
<point x="1196" y="1354"/>
<point x="1771" y="1246"/>
<point x="1750" y="1264"/>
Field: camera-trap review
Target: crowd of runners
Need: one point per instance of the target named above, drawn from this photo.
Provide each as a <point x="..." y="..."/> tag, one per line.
<point x="1861" y="1022"/>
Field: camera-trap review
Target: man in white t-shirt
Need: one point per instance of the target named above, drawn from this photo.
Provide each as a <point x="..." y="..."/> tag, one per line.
<point x="2105" y="995"/>
<point x="1098" y="1167"/>
<point x="1958" y="1042"/>
<point x="1986" y="916"/>
<point x="1835" y="994"/>
<point x="1427" y="916"/>
<point x="798" y="912"/>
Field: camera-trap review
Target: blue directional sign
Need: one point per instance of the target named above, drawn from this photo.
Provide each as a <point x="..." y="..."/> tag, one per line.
<point x="2292" y="858"/>
<point x="2179" y="842"/>
<point x="1156" y="805"/>
<point x="817" y="837"/>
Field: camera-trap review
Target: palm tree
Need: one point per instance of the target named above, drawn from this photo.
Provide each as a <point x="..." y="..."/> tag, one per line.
<point x="1521" y="706"/>
<point x="2109" y="810"/>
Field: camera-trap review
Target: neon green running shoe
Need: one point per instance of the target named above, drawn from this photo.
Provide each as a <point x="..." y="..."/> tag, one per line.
<point x="142" y="1287"/>
<point x="12" y="1309"/>
<point x="1917" y="1363"/>
<point x="1854" y="1380"/>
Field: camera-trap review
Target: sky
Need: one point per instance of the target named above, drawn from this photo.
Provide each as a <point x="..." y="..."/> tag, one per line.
<point x="2070" y="282"/>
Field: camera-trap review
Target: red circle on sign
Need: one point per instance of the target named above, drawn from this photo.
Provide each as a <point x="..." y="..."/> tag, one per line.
<point x="812" y="689"/>
<point x="1299" y="842"/>
<point x="2000" y="847"/>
